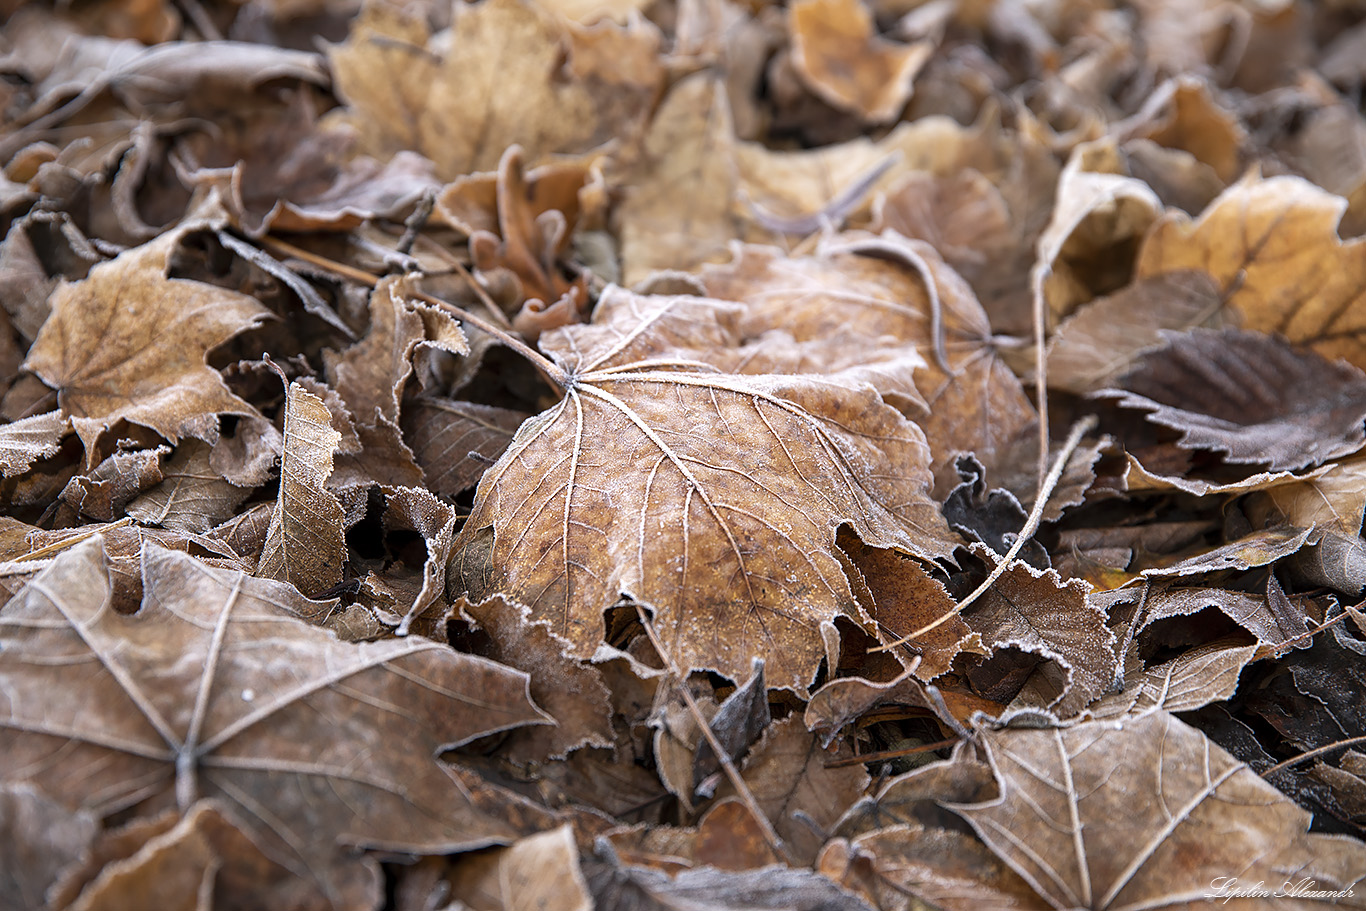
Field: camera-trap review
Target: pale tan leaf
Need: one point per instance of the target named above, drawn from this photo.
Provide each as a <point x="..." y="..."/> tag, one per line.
<point x="191" y="496"/>
<point x="537" y="872"/>
<point x="1272" y="250"/>
<point x="25" y="441"/>
<point x="1068" y="823"/>
<point x="1205" y="674"/>
<point x="129" y="343"/>
<point x="305" y="545"/>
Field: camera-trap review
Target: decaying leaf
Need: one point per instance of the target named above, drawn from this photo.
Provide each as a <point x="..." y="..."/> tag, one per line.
<point x="25" y="441"/>
<point x="129" y="343"/>
<point x="726" y="532"/>
<point x="837" y="54"/>
<point x="1066" y="820"/>
<point x="1251" y="397"/>
<point x="304" y="545"/>
<point x="298" y="732"/>
<point x="455" y="441"/>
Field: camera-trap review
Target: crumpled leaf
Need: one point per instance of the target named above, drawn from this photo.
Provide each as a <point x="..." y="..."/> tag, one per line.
<point x="1035" y="611"/>
<point x="1067" y="820"/>
<point x="740" y="720"/>
<point x="837" y="53"/>
<point x="1205" y="674"/>
<point x="1272" y="250"/>
<point x="1251" y="397"/>
<point x="730" y="547"/>
<point x="509" y="73"/>
<point x="129" y="343"/>
<point x="786" y="772"/>
<point x="868" y="288"/>
<point x="203" y="853"/>
<point x="191" y="496"/>
<point x="304" y="544"/>
<point x="291" y="728"/>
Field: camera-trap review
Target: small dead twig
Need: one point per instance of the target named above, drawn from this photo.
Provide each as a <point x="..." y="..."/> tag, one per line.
<point x="891" y="754"/>
<point x="1305" y="757"/>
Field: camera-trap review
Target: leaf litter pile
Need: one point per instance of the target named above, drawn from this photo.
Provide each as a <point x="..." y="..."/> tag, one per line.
<point x="849" y="454"/>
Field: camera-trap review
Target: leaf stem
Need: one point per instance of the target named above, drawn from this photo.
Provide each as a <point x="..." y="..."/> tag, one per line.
<point x="553" y="373"/>
<point x="733" y="774"/>
<point x="1079" y="430"/>
<point x="1304" y="757"/>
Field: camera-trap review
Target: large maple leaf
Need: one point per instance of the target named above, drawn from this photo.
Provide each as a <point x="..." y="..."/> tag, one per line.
<point x="713" y="497"/>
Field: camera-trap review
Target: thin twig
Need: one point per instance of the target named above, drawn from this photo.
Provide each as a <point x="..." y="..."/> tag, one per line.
<point x="733" y="774"/>
<point x="553" y="373"/>
<point x="1079" y="429"/>
<point x="891" y="754"/>
<point x="1303" y="757"/>
<point x="1288" y="644"/>
<point x="72" y="541"/>
<point x="1041" y="374"/>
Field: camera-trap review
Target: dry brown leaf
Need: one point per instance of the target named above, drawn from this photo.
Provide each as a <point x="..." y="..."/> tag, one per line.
<point x="842" y="701"/>
<point x="570" y="691"/>
<point x="1251" y="397"/>
<point x="617" y="887"/>
<point x="104" y="491"/>
<point x="1067" y="820"/>
<point x="509" y="73"/>
<point x="305" y="545"/>
<point x="204" y="855"/>
<point x="191" y="496"/>
<point x="25" y="441"/>
<point x="803" y="799"/>
<point x="1099" y="215"/>
<point x="838" y="54"/>
<point x="676" y="487"/>
<point x="1272" y="618"/>
<point x="291" y="728"/>
<point x="129" y="343"/>
<point x="1335" y="499"/>
<point x="1271" y="247"/>
<point x="872" y="291"/>
<point x="1099" y="343"/>
<point x="1036" y="612"/>
<point x="1205" y="674"/>
<point x="537" y="872"/>
<point x="455" y="441"/>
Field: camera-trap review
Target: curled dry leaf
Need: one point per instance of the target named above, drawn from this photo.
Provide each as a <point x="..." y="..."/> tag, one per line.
<point x="1205" y="674"/>
<point x="1250" y="396"/>
<point x="129" y="343"/>
<point x="213" y="689"/>
<point x="191" y="496"/>
<point x="305" y="545"/>
<point x="839" y="55"/>
<point x="1036" y="612"/>
<point x="1067" y="822"/>
<point x="539" y="871"/>
<point x="711" y="497"/>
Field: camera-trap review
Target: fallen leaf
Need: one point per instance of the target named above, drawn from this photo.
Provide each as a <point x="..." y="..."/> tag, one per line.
<point x="129" y="343"/>
<point x="304" y="545"/>
<point x="1205" y="674"/>
<point x="838" y="54"/>
<point x="289" y="727"/>
<point x="191" y="496"/>
<point x="456" y="441"/>
<point x="40" y="836"/>
<point x="1251" y="397"/>
<point x="497" y="76"/>
<point x="1067" y="822"/>
<point x="1271" y="247"/>
<point x="25" y="441"/>
<point x="539" y="871"/>
<point x="730" y="547"/>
